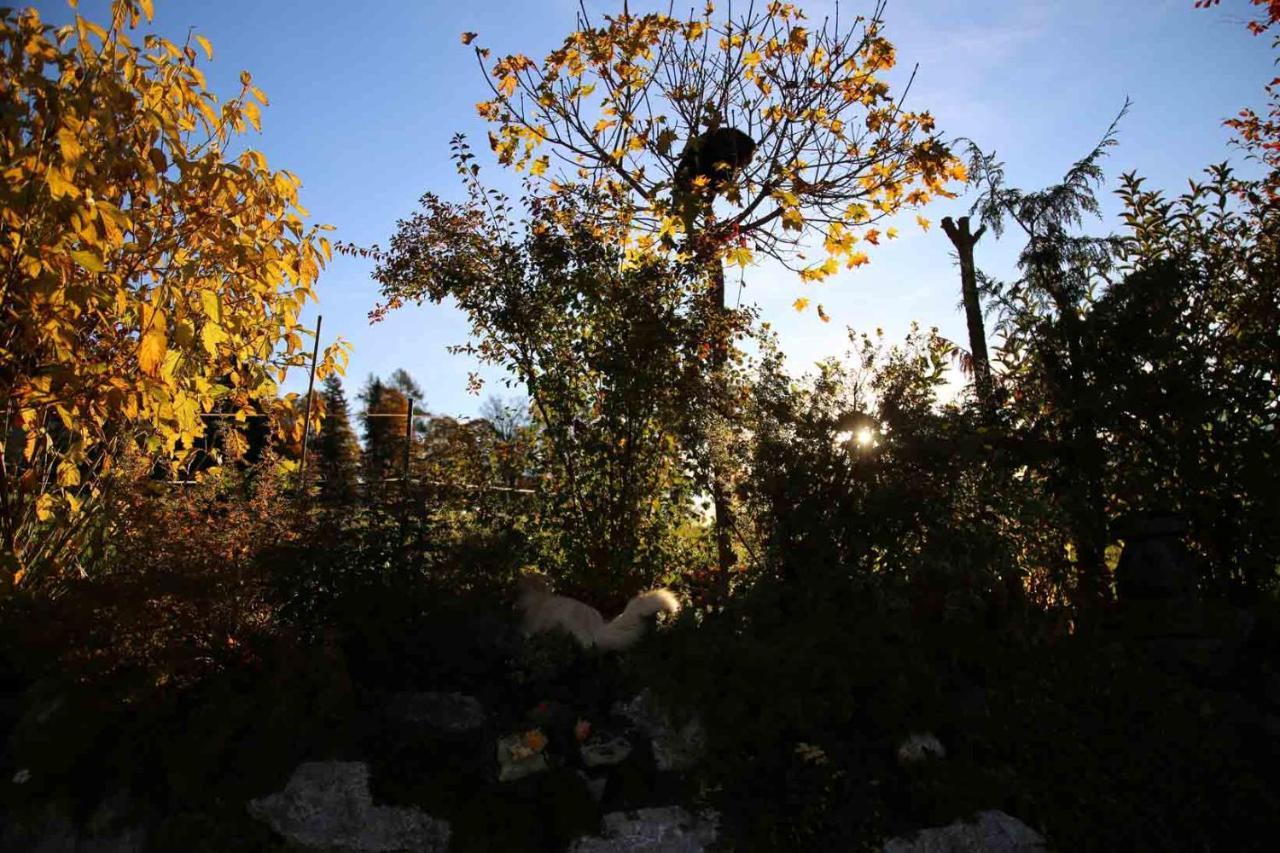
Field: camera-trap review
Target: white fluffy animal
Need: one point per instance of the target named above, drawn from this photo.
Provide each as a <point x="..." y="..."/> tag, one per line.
<point x="545" y="611"/>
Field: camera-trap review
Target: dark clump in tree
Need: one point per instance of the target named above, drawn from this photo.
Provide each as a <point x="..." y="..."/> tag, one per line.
<point x="715" y="155"/>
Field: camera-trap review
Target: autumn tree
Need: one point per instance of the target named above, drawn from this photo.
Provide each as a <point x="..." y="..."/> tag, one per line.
<point x="148" y="272"/>
<point x="509" y="420"/>
<point x="1260" y="135"/>
<point x="383" y="420"/>
<point x="722" y="139"/>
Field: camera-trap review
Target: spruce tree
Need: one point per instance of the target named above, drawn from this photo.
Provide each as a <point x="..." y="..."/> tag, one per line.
<point x="338" y="451"/>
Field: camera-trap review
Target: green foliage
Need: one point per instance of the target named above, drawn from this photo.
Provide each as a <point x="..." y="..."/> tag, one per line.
<point x="928" y="498"/>
<point x="608" y="352"/>
<point x="1137" y="374"/>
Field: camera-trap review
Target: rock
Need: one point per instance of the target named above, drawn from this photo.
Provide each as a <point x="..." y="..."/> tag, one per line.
<point x="113" y="827"/>
<point x="516" y="759"/>
<point x="53" y="831"/>
<point x="669" y="829"/>
<point x="445" y="713"/>
<point x="605" y="752"/>
<point x="988" y="832"/>
<point x="50" y="831"/>
<point x="596" y="785"/>
<point x="327" y="806"/>
<point x="920" y="747"/>
<point x="673" y="748"/>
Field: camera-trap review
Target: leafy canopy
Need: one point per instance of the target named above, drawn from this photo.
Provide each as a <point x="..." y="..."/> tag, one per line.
<point x="620" y="103"/>
<point x="147" y="273"/>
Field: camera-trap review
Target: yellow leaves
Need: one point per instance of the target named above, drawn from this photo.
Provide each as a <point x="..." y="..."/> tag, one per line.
<point x="838" y="239"/>
<point x="507" y="85"/>
<point x="752" y="59"/>
<point x="891" y="233"/>
<point x="250" y="111"/>
<point x="206" y="46"/>
<point x="211" y="335"/>
<point x="740" y="255"/>
<point x="792" y="219"/>
<point x="44" y="507"/>
<point x="800" y="304"/>
<point x="88" y="260"/>
<point x="69" y="145"/>
<point x="60" y="184"/>
<point x="821" y="272"/>
<point x="924" y="223"/>
<point x="153" y="344"/>
<point x="68" y="473"/>
<point x="798" y="40"/>
<point x="540" y="165"/>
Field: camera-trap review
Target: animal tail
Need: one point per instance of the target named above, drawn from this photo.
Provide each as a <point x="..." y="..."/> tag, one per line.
<point x="623" y="632"/>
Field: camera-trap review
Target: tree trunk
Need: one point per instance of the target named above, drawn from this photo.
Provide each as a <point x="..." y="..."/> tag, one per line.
<point x="727" y="558"/>
<point x="964" y="242"/>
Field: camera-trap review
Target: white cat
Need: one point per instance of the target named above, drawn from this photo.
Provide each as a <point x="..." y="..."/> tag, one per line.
<point x="545" y="611"/>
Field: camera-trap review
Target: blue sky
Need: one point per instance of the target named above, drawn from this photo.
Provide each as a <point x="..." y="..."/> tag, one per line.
<point x="364" y="99"/>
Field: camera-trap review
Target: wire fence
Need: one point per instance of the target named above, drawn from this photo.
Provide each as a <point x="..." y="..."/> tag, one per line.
<point x="406" y="458"/>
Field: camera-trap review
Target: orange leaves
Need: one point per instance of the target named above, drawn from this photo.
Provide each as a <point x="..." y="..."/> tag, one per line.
<point x="153" y="340"/>
<point x="468" y="38"/>
<point x="798" y="40"/>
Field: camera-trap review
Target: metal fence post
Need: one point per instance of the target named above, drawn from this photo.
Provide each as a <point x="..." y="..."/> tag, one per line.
<point x="306" y="420"/>
<point x="408" y="440"/>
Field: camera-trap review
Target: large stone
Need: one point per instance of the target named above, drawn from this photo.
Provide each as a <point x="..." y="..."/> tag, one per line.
<point x="327" y="806"/>
<point x="674" y="748"/>
<point x="605" y="752"/>
<point x="52" y="830"/>
<point x="669" y="829"/>
<point x="49" y="831"/>
<point x="987" y="832"/>
<point x="444" y="713"/>
<point x="516" y="759"/>
<point x="918" y="747"/>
